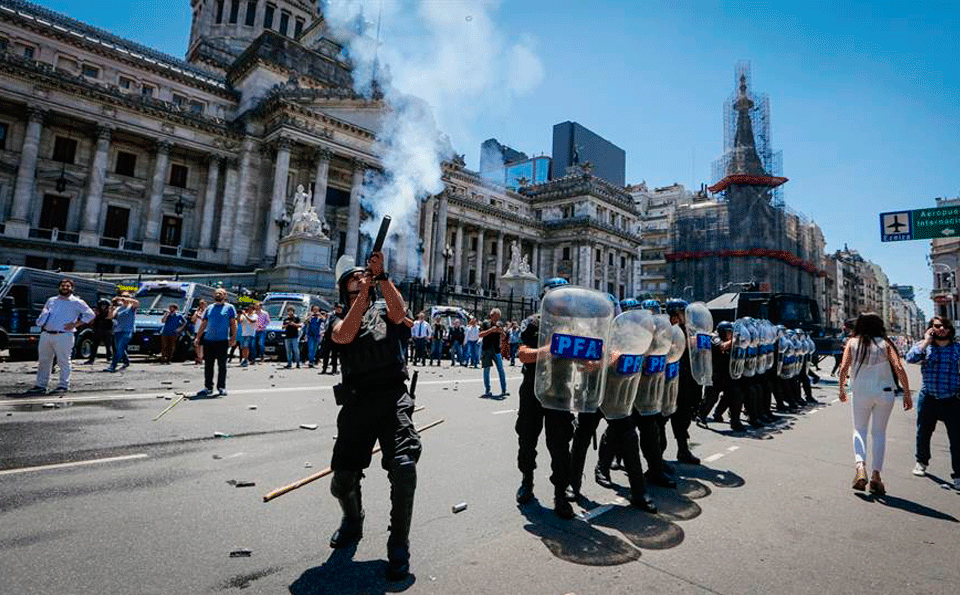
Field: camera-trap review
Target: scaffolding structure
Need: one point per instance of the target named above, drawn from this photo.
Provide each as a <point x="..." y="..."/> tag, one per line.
<point x="760" y="119"/>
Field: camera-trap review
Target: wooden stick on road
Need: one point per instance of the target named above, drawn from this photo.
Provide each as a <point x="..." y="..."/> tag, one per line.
<point x="302" y="482"/>
<point x="172" y="405"/>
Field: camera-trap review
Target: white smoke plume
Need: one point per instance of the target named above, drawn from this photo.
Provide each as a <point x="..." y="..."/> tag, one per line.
<point x="439" y="64"/>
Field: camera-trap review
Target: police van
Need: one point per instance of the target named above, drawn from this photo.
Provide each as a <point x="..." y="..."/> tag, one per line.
<point x="155" y="298"/>
<point x="275" y="304"/>
<point x="23" y="293"/>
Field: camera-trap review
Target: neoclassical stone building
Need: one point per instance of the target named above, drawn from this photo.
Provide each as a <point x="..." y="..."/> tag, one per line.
<point x="117" y="158"/>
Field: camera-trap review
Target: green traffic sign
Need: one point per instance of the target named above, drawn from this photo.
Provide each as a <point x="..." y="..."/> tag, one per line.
<point x="920" y="224"/>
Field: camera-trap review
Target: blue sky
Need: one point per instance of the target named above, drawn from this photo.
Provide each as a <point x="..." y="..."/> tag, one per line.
<point x="865" y="97"/>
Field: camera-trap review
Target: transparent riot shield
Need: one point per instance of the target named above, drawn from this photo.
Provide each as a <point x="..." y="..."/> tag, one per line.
<point x="574" y="323"/>
<point x="779" y="349"/>
<point x="738" y="348"/>
<point x="671" y="375"/>
<point x="769" y="345"/>
<point x="699" y="342"/>
<point x="630" y="337"/>
<point x="654" y="364"/>
<point x="750" y="363"/>
<point x="787" y="355"/>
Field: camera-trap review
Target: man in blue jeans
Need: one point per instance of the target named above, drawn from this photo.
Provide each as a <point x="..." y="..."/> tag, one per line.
<point x="123" y="312"/>
<point x="939" y="399"/>
<point x="491" y="333"/>
<point x="217" y="332"/>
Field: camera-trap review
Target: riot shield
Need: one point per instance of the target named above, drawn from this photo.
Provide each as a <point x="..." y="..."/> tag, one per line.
<point x="574" y="323"/>
<point x="769" y="345"/>
<point x="671" y="375"/>
<point x="738" y="348"/>
<point x="779" y="349"/>
<point x="750" y="363"/>
<point x="787" y="355"/>
<point x="654" y="364"/>
<point x="699" y="342"/>
<point x="630" y="337"/>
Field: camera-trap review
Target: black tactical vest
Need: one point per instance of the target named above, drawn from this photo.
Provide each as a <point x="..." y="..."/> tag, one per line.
<point x="375" y="356"/>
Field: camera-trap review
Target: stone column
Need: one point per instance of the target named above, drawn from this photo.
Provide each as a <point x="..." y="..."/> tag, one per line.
<point x="209" y="202"/>
<point x="353" y="214"/>
<point x="151" y="235"/>
<point x="586" y="266"/>
<point x="224" y="239"/>
<point x="499" y="260"/>
<point x="605" y="257"/>
<point x="278" y="202"/>
<point x="246" y="205"/>
<point x="440" y="241"/>
<point x="557" y="256"/>
<point x="458" y="257"/>
<point x="19" y="224"/>
<point x="480" y="256"/>
<point x="535" y="260"/>
<point x="89" y="228"/>
<point x="426" y="235"/>
<point x="320" y="179"/>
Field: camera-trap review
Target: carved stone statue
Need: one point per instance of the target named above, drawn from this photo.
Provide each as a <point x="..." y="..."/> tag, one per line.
<point x="305" y="220"/>
<point x="514" y="267"/>
<point x="525" y="266"/>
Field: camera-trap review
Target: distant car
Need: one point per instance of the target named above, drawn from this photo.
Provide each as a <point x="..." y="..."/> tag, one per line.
<point x="275" y="304"/>
<point x="155" y="298"/>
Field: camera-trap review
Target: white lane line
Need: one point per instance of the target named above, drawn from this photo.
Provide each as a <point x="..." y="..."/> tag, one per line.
<point x="504" y="411"/>
<point x="733" y="448"/>
<point x="12" y="401"/>
<point x="837" y="400"/>
<point x="595" y="512"/>
<point x="811" y="412"/>
<point x="73" y="464"/>
<point x="713" y="457"/>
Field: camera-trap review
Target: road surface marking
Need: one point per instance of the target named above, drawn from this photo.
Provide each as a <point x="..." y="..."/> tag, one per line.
<point x="837" y="400"/>
<point x="713" y="457"/>
<point x="597" y="511"/>
<point x="813" y="411"/>
<point x="733" y="448"/>
<point x="504" y="411"/>
<point x="13" y="401"/>
<point x="73" y="464"/>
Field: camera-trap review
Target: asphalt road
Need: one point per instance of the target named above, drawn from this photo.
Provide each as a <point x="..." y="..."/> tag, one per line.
<point x="155" y="507"/>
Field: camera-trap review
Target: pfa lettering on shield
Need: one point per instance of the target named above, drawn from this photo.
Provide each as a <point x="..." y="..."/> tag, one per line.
<point x="629" y="364"/>
<point x="574" y="347"/>
<point x="703" y="341"/>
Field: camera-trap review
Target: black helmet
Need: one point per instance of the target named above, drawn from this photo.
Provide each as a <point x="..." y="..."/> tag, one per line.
<point x="551" y="283"/>
<point x="675" y="306"/>
<point x="725" y="325"/>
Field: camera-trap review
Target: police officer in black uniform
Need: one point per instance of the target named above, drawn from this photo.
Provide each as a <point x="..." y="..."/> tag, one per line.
<point x="722" y="383"/>
<point x="375" y="407"/>
<point x="689" y="394"/>
<point x="532" y="417"/>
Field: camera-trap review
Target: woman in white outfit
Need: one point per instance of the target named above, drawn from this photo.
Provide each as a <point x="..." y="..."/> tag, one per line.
<point x="876" y="369"/>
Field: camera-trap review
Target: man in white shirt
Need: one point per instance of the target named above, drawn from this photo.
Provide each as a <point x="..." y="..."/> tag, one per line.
<point x="58" y="320"/>
<point x="421" y="333"/>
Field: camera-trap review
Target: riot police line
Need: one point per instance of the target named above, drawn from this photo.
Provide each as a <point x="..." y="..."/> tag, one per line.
<point x="585" y="357"/>
<point x="642" y="367"/>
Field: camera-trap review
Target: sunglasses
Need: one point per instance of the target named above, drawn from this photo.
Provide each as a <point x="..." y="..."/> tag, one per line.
<point x="938" y="326"/>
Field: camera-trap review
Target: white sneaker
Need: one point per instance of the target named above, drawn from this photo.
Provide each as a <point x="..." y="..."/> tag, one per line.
<point x="222" y="392"/>
<point x="919" y="469"/>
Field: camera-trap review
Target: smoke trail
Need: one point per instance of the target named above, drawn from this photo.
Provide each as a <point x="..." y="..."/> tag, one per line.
<point x="440" y="63"/>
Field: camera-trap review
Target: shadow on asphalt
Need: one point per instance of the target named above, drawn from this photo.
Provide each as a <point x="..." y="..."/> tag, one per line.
<point x="645" y="531"/>
<point x="575" y="540"/>
<point x="341" y="575"/>
<point x="908" y="506"/>
<point x="939" y="481"/>
<point x="720" y="479"/>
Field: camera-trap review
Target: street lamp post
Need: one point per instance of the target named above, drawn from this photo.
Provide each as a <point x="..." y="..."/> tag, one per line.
<point x="447" y="255"/>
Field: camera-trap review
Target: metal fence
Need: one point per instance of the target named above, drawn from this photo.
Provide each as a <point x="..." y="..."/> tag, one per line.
<point x="420" y="297"/>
